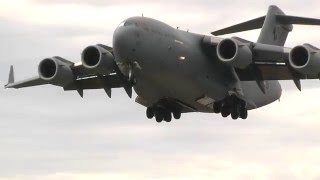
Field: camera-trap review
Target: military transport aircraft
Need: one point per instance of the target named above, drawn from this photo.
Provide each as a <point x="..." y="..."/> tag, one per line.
<point x="175" y="72"/>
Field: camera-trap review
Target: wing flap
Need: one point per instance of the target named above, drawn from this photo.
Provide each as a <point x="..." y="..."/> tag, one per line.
<point x="83" y="78"/>
<point x="96" y="82"/>
<point x="271" y="72"/>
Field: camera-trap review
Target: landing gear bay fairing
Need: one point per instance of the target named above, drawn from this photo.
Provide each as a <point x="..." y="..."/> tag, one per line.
<point x="175" y="72"/>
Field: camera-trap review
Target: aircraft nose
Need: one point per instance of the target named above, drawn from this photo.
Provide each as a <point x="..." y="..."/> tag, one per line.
<point x="124" y="40"/>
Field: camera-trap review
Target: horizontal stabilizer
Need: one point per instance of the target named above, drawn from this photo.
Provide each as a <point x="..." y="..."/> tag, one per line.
<point x="297" y="20"/>
<point x="258" y="23"/>
<point x="245" y="26"/>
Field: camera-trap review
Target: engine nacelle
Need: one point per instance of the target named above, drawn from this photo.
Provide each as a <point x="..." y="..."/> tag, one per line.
<point x="305" y="59"/>
<point x="234" y="53"/>
<point x="98" y="59"/>
<point x="56" y="71"/>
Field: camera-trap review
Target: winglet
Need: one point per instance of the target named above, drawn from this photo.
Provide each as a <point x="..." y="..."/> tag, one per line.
<point x="11" y="77"/>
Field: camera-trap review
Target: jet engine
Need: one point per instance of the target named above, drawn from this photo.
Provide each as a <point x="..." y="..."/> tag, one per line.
<point x="234" y="53"/>
<point x="56" y="71"/>
<point x="98" y="59"/>
<point x="305" y="59"/>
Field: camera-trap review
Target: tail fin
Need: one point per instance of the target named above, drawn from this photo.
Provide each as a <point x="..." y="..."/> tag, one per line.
<point x="275" y="26"/>
<point x="273" y="32"/>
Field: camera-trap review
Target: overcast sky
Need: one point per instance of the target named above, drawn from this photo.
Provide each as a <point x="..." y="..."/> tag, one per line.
<point x="48" y="134"/>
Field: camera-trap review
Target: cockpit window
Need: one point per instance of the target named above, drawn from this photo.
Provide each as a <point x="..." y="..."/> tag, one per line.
<point x="122" y="24"/>
<point x="127" y="23"/>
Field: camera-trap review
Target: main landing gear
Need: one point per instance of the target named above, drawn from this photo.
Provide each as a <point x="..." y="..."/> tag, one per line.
<point x="233" y="106"/>
<point x="162" y="114"/>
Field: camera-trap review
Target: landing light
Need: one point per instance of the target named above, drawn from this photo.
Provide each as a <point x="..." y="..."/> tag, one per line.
<point x="182" y="58"/>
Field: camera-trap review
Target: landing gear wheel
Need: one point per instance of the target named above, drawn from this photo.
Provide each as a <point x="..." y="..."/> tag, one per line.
<point x="232" y="105"/>
<point x="235" y="115"/>
<point x="235" y="112"/>
<point x="243" y="111"/>
<point x="244" y="114"/>
<point x="177" y="115"/>
<point x="150" y="113"/>
<point x="217" y="107"/>
<point x="167" y="116"/>
<point x="159" y="116"/>
<point x="225" y="111"/>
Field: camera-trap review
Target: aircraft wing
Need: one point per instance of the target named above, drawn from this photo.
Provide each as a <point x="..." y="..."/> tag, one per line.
<point x="268" y="59"/>
<point x="74" y="76"/>
<point x="272" y="63"/>
<point x="106" y="82"/>
<point x="260" y="62"/>
<point x="35" y="81"/>
<point x="263" y="72"/>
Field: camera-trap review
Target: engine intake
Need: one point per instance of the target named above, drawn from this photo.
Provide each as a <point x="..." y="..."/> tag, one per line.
<point x="98" y="59"/>
<point x="305" y="59"/>
<point x="56" y="71"/>
<point x="47" y="69"/>
<point x="235" y="53"/>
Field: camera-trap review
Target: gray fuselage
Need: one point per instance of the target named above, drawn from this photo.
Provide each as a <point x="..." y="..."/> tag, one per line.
<point x="179" y="65"/>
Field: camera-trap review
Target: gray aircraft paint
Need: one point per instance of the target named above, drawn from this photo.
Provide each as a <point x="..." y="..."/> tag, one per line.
<point x="183" y="68"/>
<point x="157" y="47"/>
<point x="273" y="32"/>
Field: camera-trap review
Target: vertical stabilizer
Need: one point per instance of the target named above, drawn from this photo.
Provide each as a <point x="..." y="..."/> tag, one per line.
<point x="273" y="31"/>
